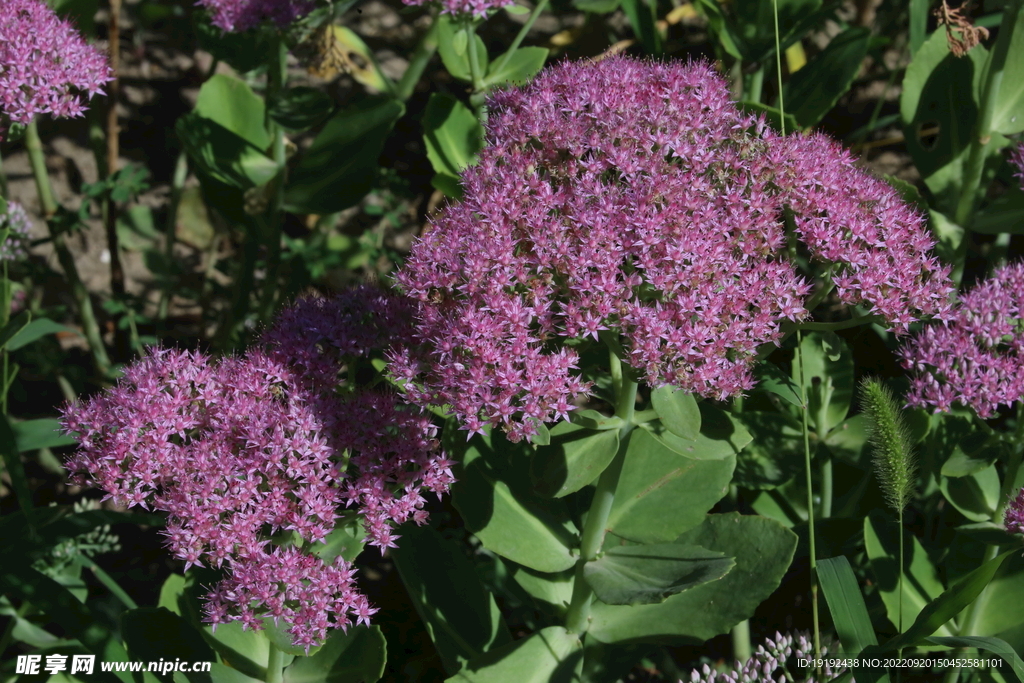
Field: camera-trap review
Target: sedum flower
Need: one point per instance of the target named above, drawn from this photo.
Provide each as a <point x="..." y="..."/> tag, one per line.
<point x="243" y="452"/>
<point x="46" y="67"/>
<point x="975" y="358"/>
<point x="19" y="227"/>
<point x="1014" y="518"/>
<point x="236" y="16"/>
<point x="635" y="197"/>
<point x="1017" y="159"/>
<point x="772" y="662"/>
<point x="463" y="8"/>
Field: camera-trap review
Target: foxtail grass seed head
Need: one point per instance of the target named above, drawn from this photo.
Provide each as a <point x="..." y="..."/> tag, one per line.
<point x="893" y="458"/>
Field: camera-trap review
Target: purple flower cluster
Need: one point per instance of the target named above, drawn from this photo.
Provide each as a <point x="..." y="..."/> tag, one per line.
<point x="1014" y="518"/>
<point x="45" y="65"/>
<point x="241" y="15"/>
<point x="768" y="664"/>
<point x="391" y="446"/>
<point x="1017" y="159"/>
<point x="975" y="358"/>
<point x="635" y="197"/>
<point x="241" y="449"/>
<point x="17" y="222"/>
<point x="463" y="8"/>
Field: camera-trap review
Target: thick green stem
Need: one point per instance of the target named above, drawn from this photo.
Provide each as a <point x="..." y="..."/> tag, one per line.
<point x="90" y="326"/>
<point x="474" y="59"/>
<point x="275" y="663"/>
<point x="418" y="62"/>
<point x="778" y="71"/>
<point x="277" y="77"/>
<point x="798" y="366"/>
<point x="971" y="192"/>
<point x="825" y="469"/>
<point x="577" y="618"/>
<point x="741" y="649"/>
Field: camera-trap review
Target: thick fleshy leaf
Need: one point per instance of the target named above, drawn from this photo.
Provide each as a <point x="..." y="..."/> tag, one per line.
<point x="452" y="135"/>
<point x="153" y="633"/>
<point x="495" y="497"/>
<point x="661" y="493"/>
<point x="774" y="456"/>
<point x="222" y="154"/>
<point x="340" y="167"/>
<point x="827" y="371"/>
<point x="230" y="102"/>
<point x="648" y="574"/>
<point x="592" y="419"/>
<point x="358" y="656"/>
<point x="975" y="495"/>
<point x="574" y="458"/>
<point x="456" y="60"/>
<point x="678" y="411"/>
<point x="345" y="541"/>
<point x="551" y="655"/>
<point x="44" y="432"/>
<point x="772" y="379"/>
<point x="552" y="592"/>
<point x="973" y="454"/>
<point x="921" y="582"/>
<point x="1008" y="110"/>
<point x="721" y="435"/>
<point x="519" y="69"/>
<point x="949" y="604"/>
<point x="763" y="550"/>
<point x="302" y="108"/>
<point x="460" y="614"/>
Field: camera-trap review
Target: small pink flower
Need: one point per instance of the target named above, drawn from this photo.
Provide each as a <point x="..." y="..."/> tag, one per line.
<point x="1014" y="518"/>
<point x="236" y="16"/>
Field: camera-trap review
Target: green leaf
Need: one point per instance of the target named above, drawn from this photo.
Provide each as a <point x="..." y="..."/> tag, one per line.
<point x="358" y="656"/>
<point x="827" y="371"/>
<point x="524" y="63"/>
<point x="552" y="592"/>
<point x="763" y="550"/>
<point x="975" y="495"/>
<point x="575" y="457"/>
<point x="299" y="109"/>
<point x="772" y="115"/>
<point x="517" y="9"/>
<point x="993" y="645"/>
<point x="846" y="605"/>
<point x="36" y="330"/>
<point x="231" y="103"/>
<point x="82" y="13"/>
<point x="1008" y="112"/>
<point x="153" y="633"/>
<point x="345" y="541"/>
<point x="457" y="61"/>
<point x="497" y="504"/>
<point x="16" y="471"/>
<point x="921" y="582"/>
<point x="551" y="655"/>
<point x="973" y="455"/>
<point x="662" y="493"/>
<point x="459" y="612"/>
<point x="223" y="155"/>
<point x="815" y="89"/>
<point x="452" y="135"/>
<point x="943" y="608"/>
<point x="170" y="592"/>
<point x="678" y="411"/>
<point x="721" y="435"/>
<point x="998" y="608"/>
<point x="44" y="432"/>
<point x="648" y="574"/>
<point x="774" y="456"/>
<point x="592" y="419"/>
<point x="596" y="6"/>
<point x="640" y="14"/>
<point x="13" y="327"/>
<point x="1003" y="214"/>
<point x="340" y="167"/>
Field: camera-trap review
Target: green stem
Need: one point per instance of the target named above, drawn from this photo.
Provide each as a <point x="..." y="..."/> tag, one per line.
<point x="474" y="58"/>
<point x="826" y="486"/>
<point x="275" y="663"/>
<point x="108" y="581"/>
<point x="90" y="326"/>
<point x="755" y="85"/>
<point x="782" y="105"/>
<point x="798" y="366"/>
<point x="741" y="649"/>
<point x="277" y="77"/>
<point x="503" y="60"/>
<point x="170" y="232"/>
<point x="971" y="191"/>
<point x="577" y="618"/>
<point x="418" y="62"/>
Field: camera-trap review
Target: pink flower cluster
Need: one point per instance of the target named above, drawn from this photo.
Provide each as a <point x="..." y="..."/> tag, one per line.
<point x="1017" y="159"/>
<point x="236" y="16"/>
<point x="464" y="8"/>
<point x="243" y="448"/>
<point x="45" y="65"/>
<point x="1014" y="518"/>
<point x="635" y="197"/>
<point x="976" y="358"/>
<point x="18" y="225"/>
